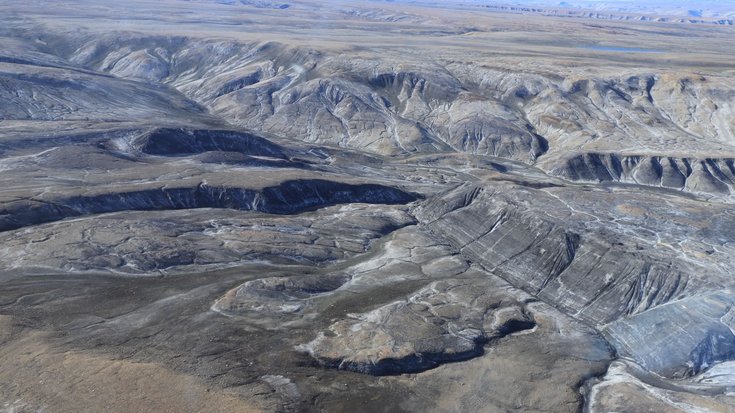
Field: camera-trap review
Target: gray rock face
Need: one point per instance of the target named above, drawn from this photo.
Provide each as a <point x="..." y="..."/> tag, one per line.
<point x="446" y="321"/>
<point x="181" y="142"/>
<point x="287" y="198"/>
<point x="626" y="385"/>
<point x="68" y="94"/>
<point x="242" y="206"/>
<point x="364" y="101"/>
<point x="709" y="176"/>
<point x="705" y="340"/>
<point x="186" y="240"/>
<point x="597" y="279"/>
<point x="278" y="294"/>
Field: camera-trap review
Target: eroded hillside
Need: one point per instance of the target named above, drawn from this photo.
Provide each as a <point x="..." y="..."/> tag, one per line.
<point x="322" y="206"/>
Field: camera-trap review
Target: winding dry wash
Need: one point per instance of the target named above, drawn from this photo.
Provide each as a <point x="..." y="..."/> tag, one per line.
<point x="367" y="206"/>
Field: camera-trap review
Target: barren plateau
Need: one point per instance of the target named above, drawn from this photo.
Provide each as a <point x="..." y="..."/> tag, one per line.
<point x="371" y="206"/>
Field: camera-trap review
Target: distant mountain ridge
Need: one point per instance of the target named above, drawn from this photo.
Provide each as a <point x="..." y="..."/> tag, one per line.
<point x="700" y="12"/>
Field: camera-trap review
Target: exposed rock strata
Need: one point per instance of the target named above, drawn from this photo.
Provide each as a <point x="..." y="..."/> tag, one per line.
<point x="446" y="321"/>
<point x="175" y="241"/>
<point x="599" y="280"/>
<point x="479" y="200"/>
<point x="287" y="198"/>
<point x="708" y="176"/>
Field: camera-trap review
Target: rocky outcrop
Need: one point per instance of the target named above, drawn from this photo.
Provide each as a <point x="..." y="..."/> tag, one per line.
<point x="52" y="93"/>
<point x="183" y="142"/>
<point x="703" y="336"/>
<point x="141" y="242"/>
<point x="625" y="385"/>
<point x="278" y="294"/>
<point x="280" y="90"/>
<point x="599" y="277"/>
<point x="542" y="256"/>
<point x="446" y="321"/>
<point x="287" y="198"/>
<point x="390" y="189"/>
<point x="709" y="176"/>
<point x="368" y="103"/>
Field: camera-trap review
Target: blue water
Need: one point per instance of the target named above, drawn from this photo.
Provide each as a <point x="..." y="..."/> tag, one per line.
<point x="619" y="49"/>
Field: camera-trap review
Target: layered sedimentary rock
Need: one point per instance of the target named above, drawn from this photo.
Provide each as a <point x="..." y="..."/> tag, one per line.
<point x="332" y="207"/>
<point x="287" y="198"/>
<point x="709" y="176"/>
<point x="446" y="321"/>
<point x="140" y="242"/>
<point x="589" y="267"/>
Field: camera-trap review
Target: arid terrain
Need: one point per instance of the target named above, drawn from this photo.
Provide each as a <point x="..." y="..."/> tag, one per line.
<point x="377" y="206"/>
